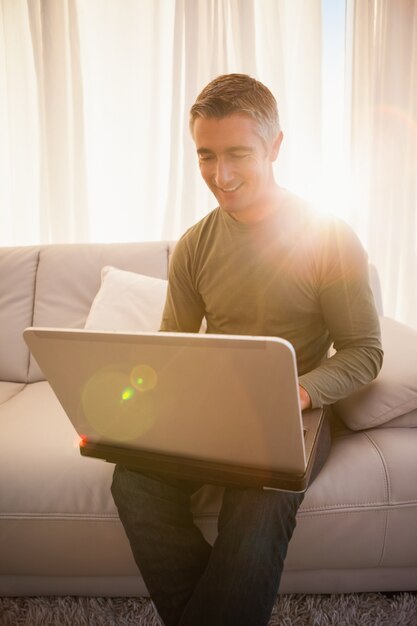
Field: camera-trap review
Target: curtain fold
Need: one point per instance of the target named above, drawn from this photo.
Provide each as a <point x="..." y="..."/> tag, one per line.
<point x="62" y="198"/>
<point x="130" y="109"/>
<point x="384" y="146"/>
<point x="19" y="128"/>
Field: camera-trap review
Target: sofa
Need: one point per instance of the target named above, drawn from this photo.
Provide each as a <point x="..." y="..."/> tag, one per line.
<point x="59" y="529"/>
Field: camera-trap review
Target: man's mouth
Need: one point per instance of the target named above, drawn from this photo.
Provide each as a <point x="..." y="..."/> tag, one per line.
<point x="229" y="189"/>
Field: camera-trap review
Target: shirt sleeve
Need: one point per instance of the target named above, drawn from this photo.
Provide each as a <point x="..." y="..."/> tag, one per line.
<point x="184" y="307"/>
<point x="349" y="312"/>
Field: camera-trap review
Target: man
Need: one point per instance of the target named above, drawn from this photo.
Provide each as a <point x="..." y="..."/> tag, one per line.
<point x="261" y="264"/>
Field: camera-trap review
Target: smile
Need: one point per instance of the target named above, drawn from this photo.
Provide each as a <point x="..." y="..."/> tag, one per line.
<point x="229" y="190"/>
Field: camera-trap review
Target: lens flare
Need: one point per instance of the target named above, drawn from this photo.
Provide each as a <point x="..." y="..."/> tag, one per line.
<point x="128" y="393"/>
<point x="143" y="377"/>
<point x="80" y="441"/>
<point x="113" y="408"/>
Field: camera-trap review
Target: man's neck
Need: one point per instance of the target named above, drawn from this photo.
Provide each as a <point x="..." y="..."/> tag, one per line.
<point x="262" y="210"/>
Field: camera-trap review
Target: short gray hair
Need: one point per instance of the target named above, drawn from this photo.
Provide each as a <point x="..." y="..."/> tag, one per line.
<point x="238" y="93"/>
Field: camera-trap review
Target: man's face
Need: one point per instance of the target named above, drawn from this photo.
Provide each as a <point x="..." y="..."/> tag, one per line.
<point x="236" y="164"/>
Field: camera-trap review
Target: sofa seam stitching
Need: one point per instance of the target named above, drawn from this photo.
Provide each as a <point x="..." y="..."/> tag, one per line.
<point x="302" y="513"/>
<point x="388" y="491"/>
<point x="364" y="505"/>
<point x="33" y="310"/>
<point x="62" y="516"/>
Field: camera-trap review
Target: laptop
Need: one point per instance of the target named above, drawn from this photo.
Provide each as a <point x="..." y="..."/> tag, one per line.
<point x="220" y="409"/>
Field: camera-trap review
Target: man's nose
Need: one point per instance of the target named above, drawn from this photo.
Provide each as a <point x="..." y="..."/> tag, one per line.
<point x="224" y="174"/>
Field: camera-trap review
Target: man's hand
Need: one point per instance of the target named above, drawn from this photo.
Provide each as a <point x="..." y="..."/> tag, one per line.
<point x="305" y="399"/>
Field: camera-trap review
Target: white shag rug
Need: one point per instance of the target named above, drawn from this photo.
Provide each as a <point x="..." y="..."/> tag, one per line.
<point x="370" y="609"/>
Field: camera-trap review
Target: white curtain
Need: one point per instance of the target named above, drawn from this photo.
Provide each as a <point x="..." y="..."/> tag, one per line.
<point x="384" y="145"/>
<point x="94" y="100"/>
<point x="19" y="179"/>
<point x="42" y="173"/>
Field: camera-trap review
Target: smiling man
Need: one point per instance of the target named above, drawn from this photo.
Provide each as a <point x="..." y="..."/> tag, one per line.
<point x="235" y="163"/>
<point x="261" y="263"/>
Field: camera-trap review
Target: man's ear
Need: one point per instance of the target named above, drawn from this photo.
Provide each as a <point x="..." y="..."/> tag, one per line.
<point x="276" y="145"/>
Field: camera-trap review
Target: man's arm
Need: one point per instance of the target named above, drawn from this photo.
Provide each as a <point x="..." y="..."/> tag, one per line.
<point x="349" y="312"/>
<point x="184" y="308"/>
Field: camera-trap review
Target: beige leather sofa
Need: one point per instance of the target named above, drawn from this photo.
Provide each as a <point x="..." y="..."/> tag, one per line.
<point x="59" y="531"/>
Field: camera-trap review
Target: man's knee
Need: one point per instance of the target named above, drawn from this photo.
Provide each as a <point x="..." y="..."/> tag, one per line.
<point x="129" y="491"/>
<point x="118" y="485"/>
<point x="258" y="508"/>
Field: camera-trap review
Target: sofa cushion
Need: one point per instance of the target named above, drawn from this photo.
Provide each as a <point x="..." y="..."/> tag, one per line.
<point x="17" y="278"/>
<point x="393" y="394"/>
<point x="58" y="518"/>
<point x="68" y="279"/>
<point x="127" y="301"/>
<point x="363" y="498"/>
<point x="9" y="390"/>
<point x="408" y="420"/>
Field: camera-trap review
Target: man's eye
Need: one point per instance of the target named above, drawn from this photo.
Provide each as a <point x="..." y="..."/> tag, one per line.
<point x="240" y="155"/>
<point x="205" y="157"/>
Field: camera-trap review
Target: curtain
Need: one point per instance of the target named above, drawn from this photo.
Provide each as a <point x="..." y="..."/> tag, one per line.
<point x="384" y="145"/>
<point x="94" y="101"/>
<point x="42" y="172"/>
<point x="19" y="177"/>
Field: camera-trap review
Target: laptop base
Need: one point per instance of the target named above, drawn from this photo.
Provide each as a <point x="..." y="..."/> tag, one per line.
<point x="197" y="470"/>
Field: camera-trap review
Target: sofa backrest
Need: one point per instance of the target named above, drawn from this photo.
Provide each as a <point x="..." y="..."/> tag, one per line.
<point x="18" y="267"/>
<point x="54" y="285"/>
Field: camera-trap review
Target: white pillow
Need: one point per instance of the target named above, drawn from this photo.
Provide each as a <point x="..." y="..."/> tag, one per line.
<point x="393" y="394"/>
<point x="128" y="302"/>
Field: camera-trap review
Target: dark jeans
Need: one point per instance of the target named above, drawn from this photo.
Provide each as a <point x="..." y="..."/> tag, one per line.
<point x="235" y="581"/>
